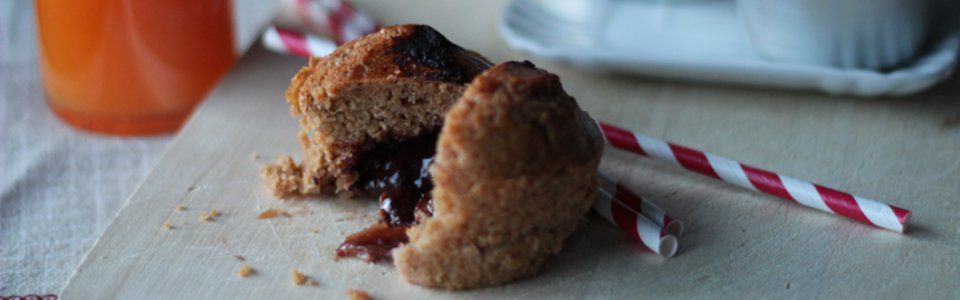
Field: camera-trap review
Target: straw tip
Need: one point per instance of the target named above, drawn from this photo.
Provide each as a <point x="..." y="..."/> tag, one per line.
<point x="674" y="227"/>
<point x="904" y="221"/>
<point x="668" y="246"/>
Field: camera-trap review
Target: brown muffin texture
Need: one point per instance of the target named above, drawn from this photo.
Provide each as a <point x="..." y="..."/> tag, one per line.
<point x="384" y="87"/>
<point x="515" y="171"/>
<point x="283" y="176"/>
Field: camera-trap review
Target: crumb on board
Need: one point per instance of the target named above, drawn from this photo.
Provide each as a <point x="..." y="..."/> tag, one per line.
<point x="354" y="294"/>
<point x="245" y="271"/>
<point x="283" y="178"/>
<point x="314" y="230"/>
<point x="254" y="155"/>
<point x="300" y="279"/>
<point x="273" y="213"/>
<point x="209" y="216"/>
<point x="167" y="225"/>
<point x="240" y="257"/>
<point x="180" y="207"/>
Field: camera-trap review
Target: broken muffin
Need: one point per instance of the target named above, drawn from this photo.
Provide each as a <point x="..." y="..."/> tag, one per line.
<point x="481" y="202"/>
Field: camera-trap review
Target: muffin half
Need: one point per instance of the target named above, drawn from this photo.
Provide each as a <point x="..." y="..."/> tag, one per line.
<point x="383" y="88"/>
<point x="514" y="172"/>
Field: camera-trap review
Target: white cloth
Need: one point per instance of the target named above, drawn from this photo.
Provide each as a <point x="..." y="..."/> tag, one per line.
<point x="59" y="187"/>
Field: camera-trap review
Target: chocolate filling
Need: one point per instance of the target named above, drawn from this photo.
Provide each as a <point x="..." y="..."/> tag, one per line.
<point x="399" y="174"/>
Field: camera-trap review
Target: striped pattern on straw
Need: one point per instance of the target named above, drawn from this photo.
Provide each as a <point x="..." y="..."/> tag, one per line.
<point x="288" y="41"/>
<point x="341" y="20"/>
<point x="641" y="205"/>
<point x="635" y="224"/>
<point x="805" y="193"/>
<point x="335" y="20"/>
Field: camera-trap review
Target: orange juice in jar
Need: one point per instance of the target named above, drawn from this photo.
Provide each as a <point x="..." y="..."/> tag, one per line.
<point x="132" y="66"/>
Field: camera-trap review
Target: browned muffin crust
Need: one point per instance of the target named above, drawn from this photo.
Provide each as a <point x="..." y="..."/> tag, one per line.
<point x="384" y="87"/>
<point x="514" y="172"/>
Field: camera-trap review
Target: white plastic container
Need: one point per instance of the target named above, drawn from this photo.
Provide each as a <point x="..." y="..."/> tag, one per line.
<point x="847" y="34"/>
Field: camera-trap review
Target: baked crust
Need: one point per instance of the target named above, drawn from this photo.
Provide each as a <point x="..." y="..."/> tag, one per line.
<point x="515" y="171"/>
<point x="384" y="87"/>
<point x="515" y="168"/>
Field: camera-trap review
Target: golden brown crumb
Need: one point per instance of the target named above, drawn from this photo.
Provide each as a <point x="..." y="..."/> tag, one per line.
<point x="314" y="230"/>
<point x="353" y="294"/>
<point x="167" y="226"/>
<point x="209" y="216"/>
<point x="254" y="155"/>
<point x="284" y="178"/>
<point x="300" y="279"/>
<point x="245" y="271"/>
<point x="180" y="207"/>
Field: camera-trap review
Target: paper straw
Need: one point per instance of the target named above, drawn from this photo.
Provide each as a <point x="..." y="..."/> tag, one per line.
<point x="288" y="41"/>
<point x="335" y="21"/>
<point x="635" y="224"/>
<point x="332" y="19"/>
<point x="640" y="204"/>
<point x="805" y="193"/>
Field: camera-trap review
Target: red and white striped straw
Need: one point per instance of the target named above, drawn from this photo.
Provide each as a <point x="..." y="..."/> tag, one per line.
<point x="802" y="192"/>
<point x="635" y="224"/>
<point x="337" y="17"/>
<point x="639" y="204"/>
<point x="288" y="41"/>
<point x="335" y="21"/>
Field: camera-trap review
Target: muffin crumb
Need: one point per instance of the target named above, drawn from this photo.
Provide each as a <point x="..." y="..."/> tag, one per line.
<point x="254" y="156"/>
<point x="245" y="271"/>
<point x="209" y="216"/>
<point x="180" y="207"/>
<point x="167" y="226"/>
<point x="283" y="178"/>
<point x="354" y="294"/>
<point x="299" y="279"/>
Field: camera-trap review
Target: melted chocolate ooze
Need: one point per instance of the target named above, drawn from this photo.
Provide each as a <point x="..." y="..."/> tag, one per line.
<point x="399" y="174"/>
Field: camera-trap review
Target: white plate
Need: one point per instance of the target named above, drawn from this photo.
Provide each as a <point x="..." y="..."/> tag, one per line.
<point x="694" y="40"/>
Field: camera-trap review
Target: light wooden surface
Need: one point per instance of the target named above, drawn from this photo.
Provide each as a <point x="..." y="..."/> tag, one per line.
<point x="903" y="151"/>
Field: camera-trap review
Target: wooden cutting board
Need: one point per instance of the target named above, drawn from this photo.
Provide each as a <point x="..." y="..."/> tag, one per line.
<point x="903" y="151"/>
